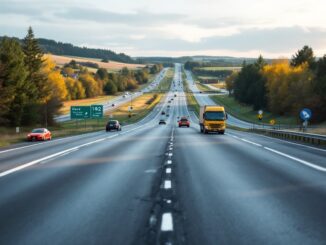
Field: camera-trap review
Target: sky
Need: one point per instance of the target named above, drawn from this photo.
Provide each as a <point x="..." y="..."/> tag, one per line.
<point x="241" y="28"/>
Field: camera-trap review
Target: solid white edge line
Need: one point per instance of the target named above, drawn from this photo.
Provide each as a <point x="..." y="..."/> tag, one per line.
<point x="297" y="159"/>
<point x="167" y="222"/>
<point x="10" y="171"/>
<point x="35" y="162"/>
<point x="292" y="143"/>
<point x="61" y="155"/>
<point x="168" y="170"/>
<point x="250" y="142"/>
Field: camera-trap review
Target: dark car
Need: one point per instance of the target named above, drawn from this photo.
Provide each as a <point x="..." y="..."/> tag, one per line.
<point x="113" y="125"/>
<point x="162" y="121"/>
<point x="163" y="113"/>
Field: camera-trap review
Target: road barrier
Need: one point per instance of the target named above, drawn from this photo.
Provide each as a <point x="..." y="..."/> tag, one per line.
<point x="315" y="139"/>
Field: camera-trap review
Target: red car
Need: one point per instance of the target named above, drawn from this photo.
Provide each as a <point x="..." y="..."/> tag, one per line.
<point x="39" y="134"/>
<point x="184" y="122"/>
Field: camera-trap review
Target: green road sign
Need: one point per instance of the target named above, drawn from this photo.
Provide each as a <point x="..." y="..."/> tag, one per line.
<point x="96" y="111"/>
<point x="80" y="112"/>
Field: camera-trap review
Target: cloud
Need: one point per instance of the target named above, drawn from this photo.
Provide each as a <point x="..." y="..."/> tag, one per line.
<point x="161" y="26"/>
<point x="277" y="40"/>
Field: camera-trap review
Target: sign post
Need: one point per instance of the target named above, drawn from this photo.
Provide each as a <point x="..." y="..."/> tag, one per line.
<point x="260" y="115"/>
<point x="305" y="115"/>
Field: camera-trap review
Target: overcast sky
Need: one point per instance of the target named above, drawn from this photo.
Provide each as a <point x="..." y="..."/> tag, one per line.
<point x="273" y="28"/>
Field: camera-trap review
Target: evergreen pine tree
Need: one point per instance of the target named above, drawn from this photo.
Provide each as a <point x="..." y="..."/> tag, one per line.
<point x="13" y="84"/>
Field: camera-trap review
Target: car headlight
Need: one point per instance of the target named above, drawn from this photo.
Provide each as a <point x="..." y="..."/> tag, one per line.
<point x="206" y="127"/>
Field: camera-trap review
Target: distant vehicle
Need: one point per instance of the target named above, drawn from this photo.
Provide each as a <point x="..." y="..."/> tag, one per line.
<point x="168" y="106"/>
<point x="167" y="115"/>
<point x="162" y="121"/>
<point x="175" y="95"/>
<point x="39" y="134"/>
<point x="163" y="113"/>
<point x="212" y="119"/>
<point x="169" y="101"/>
<point x="113" y="125"/>
<point x="184" y="122"/>
<point x="113" y="105"/>
<point x="200" y="92"/>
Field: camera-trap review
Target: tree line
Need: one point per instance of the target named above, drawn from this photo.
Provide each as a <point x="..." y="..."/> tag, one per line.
<point x="59" y="48"/>
<point x="32" y="87"/>
<point x="196" y="68"/>
<point x="283" y="87"/>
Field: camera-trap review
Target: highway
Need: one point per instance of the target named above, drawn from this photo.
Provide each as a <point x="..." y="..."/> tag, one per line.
<point x="160" y="184"/>
<point x="204" y="99"/>
<point x="122" y="99"/>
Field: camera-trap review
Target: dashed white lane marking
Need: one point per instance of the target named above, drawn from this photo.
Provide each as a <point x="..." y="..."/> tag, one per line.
<point x="169" y="162"/>
<point x="297" y="159"/>
<point x="168" y="170"/>
<point x="167" y="184"/>
<point x="168" y="201"/>
<point x="250" y="142"/>
<point x="170" y="154"/>
<point x="167" y="222"/>
<point x="170" y="148"/>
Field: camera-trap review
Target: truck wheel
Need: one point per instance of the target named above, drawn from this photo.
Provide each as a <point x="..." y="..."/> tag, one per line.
<point x="205" y="131"/>
<point x="201" y="129"/>
<point x="221" y="132"/>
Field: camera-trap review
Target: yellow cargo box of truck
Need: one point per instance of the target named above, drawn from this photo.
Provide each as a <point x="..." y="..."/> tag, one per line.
<point x="212" y="119"/>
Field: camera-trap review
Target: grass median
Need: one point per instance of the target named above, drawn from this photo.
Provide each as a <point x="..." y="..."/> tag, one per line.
<point x="191" y="100"/>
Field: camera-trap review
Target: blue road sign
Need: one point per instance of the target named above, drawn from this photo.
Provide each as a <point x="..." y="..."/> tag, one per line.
<point x="305" y="114"/>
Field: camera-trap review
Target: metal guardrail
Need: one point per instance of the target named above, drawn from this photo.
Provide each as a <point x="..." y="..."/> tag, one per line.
<point x="315" y="139"/>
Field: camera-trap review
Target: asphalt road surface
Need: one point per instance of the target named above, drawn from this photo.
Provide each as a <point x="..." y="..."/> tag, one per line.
<point x="155" y="184"/>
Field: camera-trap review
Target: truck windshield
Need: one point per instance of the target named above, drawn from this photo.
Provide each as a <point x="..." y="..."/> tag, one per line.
<point x="214" y="116"/>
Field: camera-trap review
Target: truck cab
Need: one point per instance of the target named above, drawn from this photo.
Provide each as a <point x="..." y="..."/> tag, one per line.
<point x="212" y="119"/>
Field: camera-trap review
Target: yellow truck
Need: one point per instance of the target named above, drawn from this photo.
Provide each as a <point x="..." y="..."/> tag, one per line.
<point x="212" y="119"/>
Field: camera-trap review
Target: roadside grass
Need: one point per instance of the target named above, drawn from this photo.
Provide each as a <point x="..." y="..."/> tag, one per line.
<point x="69" y="128"/>
<point x="83" y="102"/>
<point x="203" y="87"/>
<point x="245" y="112"/>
